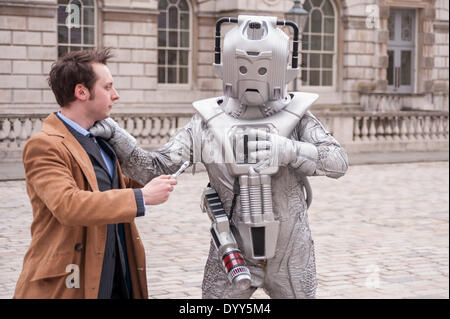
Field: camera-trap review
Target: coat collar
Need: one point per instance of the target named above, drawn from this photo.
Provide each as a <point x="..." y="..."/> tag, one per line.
<point x="52" y="125"/>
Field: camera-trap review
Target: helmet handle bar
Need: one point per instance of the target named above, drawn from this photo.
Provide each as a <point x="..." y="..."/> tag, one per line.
<point x="218" y="26"/>
<point x="294" y="26"/>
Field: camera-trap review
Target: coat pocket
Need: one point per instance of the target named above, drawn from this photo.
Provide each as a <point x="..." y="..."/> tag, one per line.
<point x="54" y="267"/>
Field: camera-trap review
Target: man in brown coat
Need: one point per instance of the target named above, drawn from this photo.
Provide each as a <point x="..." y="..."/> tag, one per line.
<point x="84" y="242"/>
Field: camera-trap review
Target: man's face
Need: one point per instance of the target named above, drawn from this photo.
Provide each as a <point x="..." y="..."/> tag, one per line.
<point x="103" y="94"/>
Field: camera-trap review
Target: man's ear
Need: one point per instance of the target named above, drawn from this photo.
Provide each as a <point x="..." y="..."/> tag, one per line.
<point x="81" y="92"/>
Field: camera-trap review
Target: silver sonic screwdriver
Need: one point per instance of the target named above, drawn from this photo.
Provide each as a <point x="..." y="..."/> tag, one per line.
<point x="181" y="170"/>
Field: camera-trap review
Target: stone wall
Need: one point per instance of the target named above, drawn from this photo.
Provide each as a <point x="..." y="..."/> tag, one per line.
<point x="27" y="50"/>
<point x="441" y="58"/>
<point x="358" y="50"/>
<point x="28" y="47"/>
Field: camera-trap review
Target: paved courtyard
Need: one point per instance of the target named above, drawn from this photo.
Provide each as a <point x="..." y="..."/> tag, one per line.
<point x="381" y="231"/>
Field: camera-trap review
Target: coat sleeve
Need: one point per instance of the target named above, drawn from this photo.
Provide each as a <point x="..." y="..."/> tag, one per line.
<point x="332" y="159"/>
<point x="48" y="170"/>
<point x="131" y="183"/>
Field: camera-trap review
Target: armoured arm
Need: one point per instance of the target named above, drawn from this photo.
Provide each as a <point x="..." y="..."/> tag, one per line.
<point x="331" y="159"/>
<point x="142" y="165"/>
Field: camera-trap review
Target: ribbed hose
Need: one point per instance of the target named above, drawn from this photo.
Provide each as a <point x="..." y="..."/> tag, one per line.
<point x="266" y="189"/>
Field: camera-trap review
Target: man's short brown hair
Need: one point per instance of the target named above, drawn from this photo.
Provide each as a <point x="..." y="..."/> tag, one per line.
<point x="75" y="68"/>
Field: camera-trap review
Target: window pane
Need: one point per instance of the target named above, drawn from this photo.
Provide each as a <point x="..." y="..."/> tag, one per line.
<point x="183" y="75"/>
<point x="316" y="21"/>
<point x="173" y="18"/>
<point x="184" y="21"/>
<point x="327" y="78"/>
<point x="316" y="3"/>
<point x="183" y="56"/>
<point x="171" y="75"/>
<point x="315" y="78"/>
<point x="304" y="77"/>
<point x="327" y="60"/>
<point x="391" y="26"/>
<point x="172" y="57"/>
<point x="304" y="60"/>
<point x="162" y="20"/>
<point x="184" y="40"/>
<point x="329" y="25"/>
<point x="305" y="42"/>
<point x="390" y="69"/>
<point x="76" y="2"/>
<point x="161" y="75"/>
<point x="173" y="39"/>
<point x="183" y="5"/>
<point x="88" y="35"/>
<point x="75" y="35"/>
<point x="62" y="15"/>
<point x="314" y="60"/>
<point x="405" y="77"/>
<point x="327" y="8"/>
<point x="173" y="1"/>
<point x="162" y="4"/>
<point x="62" y="50"/>
<point x="406" y="27"/>
<point x="316" y="42"/>
<point x="162" y="38"/>
<point x="162" y="56"/>
<point x="307" y="5"/>
<point x="88" y="2"/>
<point x="306" y="29"/>
<point x="88" y="16"/>
<point x="328" y="43"/>
<point x="73" y="13"/>
<point x="63" y="36"/>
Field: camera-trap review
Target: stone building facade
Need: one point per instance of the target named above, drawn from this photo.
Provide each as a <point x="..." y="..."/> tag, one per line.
<point x="381" y="67"/>
<point x="164" y="50"/>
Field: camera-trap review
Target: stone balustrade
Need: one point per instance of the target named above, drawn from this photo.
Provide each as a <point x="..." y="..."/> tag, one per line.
<point x="358" y="132"/>
<point x="394" y="102"/>
<point x="383" y="132"/>
<point x="150" y="130"/>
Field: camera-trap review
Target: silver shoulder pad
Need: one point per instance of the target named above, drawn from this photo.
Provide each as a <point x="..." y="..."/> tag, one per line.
<point x="300" y="103"/>
<point x="208" y="108"/>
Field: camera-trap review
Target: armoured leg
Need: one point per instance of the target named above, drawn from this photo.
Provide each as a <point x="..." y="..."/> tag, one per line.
<point x="292" y="273"/>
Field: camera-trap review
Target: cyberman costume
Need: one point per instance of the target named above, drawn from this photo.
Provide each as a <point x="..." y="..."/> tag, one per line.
<point x="258" y="143"/>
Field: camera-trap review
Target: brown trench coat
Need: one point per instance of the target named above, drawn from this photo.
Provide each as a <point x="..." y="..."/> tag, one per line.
<point x="70" y="217"/>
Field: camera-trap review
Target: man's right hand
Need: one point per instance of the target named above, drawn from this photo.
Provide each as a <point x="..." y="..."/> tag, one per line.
<point x="158" y="189"/>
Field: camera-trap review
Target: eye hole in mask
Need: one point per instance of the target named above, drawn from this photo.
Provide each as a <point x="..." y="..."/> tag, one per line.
<point x="243" y="70"/>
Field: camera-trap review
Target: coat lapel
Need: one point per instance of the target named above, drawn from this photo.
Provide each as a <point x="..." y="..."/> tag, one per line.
<point x="54" y="126"/>
<point x="110" y="151"/>
<point x="92" y="149"/>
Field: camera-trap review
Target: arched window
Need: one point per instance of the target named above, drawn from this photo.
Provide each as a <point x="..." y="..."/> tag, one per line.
<point x="76" y="25"/>
<point x="319" y="44"/>
<point x="174" y="41"/>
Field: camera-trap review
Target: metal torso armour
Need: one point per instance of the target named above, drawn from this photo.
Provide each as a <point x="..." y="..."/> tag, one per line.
<point x="257" y="229"/>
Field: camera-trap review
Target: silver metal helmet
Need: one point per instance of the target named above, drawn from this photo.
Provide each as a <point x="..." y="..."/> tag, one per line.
<point x="255" y="67"/>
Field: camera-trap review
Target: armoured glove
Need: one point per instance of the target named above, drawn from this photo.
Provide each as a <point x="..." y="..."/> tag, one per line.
<point x="122" y="141"/>
<point x="268" y="149"/>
